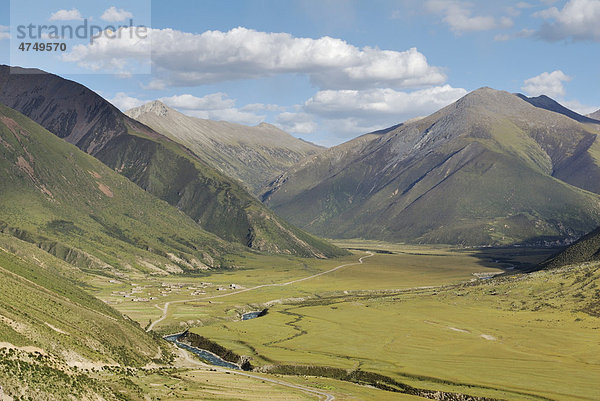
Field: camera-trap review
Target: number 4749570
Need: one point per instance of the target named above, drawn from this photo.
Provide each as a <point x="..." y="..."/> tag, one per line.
<point x="42" y="47"/>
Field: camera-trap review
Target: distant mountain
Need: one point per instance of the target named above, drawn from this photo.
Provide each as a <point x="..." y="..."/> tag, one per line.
<point x="595" y="115"/>
<point x="253" y="155"/>
<point x="71" y="205"/>
<point x="162" y="167"/>
<point x="489" y="169"/>
<point x="546" y="103"/>
<point x="586" y="249"/>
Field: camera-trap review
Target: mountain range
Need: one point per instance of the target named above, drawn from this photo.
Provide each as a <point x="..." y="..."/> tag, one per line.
<point x="157" y="164"/>
<point x="68" y="203"/>
<point x="67" y="216"/>
<point x="493" y="168"/>
<point x="89" y="195"/>
<point x="253" y="155"/>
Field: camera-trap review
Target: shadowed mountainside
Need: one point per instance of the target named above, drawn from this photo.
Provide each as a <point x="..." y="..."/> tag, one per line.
<point x="586" y="249"/>
<point x="160" y="166"/>
<point x="73" y="206"/>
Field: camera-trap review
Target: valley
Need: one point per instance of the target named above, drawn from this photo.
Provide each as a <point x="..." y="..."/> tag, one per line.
<point x="417" y="315"/>
<point x="171" y="236"/>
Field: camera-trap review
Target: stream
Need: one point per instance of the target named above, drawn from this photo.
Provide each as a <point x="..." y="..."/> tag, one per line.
<point x="202" y="353"/>
<point x="254" y="314"/>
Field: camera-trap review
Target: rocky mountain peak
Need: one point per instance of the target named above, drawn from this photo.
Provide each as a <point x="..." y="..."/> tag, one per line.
<point x="156" y="107"/>
<point x="487" y="97"/>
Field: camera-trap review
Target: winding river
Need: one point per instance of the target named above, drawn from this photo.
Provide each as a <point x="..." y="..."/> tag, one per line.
<point x="202" y="353"/>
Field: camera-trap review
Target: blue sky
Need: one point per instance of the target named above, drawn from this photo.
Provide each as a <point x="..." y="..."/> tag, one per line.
<point x="324" y="70"/>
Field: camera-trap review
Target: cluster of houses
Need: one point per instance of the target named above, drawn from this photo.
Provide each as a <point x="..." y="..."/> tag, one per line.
<point x="231" y="287"/>
<point x="135" y="294"/>
<point x="169" y="289"/>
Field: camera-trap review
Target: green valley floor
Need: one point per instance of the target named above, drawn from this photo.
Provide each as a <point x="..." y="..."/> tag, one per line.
<point x="426" y="317"/>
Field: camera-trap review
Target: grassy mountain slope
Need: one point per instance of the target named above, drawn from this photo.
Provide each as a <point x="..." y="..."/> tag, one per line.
<point x="51" y="331"/>
<point x="253" y="155"/>
<point x="70" y="204"/>
<point x="490" y="169"/>
<point x="586" y="249"/>
<point x="62" y="212"/>
<point x="42" y="305"/>
<point x="155" y="163"/>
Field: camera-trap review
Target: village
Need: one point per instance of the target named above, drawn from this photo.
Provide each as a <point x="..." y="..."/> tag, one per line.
<point x="144" y="293"/>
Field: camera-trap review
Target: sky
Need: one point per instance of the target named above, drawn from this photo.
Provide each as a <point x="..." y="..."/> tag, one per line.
<point x="323" y="70"/>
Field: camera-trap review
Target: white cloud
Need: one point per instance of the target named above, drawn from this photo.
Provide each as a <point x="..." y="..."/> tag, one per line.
<point x="155" y="84"/>
<point x="113" y="14"/>
<point x="254" y="107"/>
<point x="242" y="53"/>
<point x="350" y="127"/>
<point x="347" y="113"/>
<point x="124" y="102"/>
<point x="577" y="20"/>
<point x="296" y="123"/>
<point x="215" y="101"/>
<point x="4" y="34"/>
<point x="106" y="51"/>
<point x="49" y="36"/>
<point x="377" y="102"/>
<point x="502" y="37"/>
<point x="66" y="15"/>
<point x="547" y="83"/>
<point x="580" y="108"/>
<point x="459" y="16"/>
<point x="523" y="33"/>
<point x="513" y="11"/>
<point x="232" y="115"/>
<point x="215" y="106"/>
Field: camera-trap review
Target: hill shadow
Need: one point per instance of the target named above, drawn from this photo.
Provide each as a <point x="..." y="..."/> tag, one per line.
<point x="517" y="259"/>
